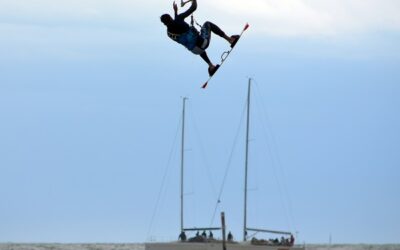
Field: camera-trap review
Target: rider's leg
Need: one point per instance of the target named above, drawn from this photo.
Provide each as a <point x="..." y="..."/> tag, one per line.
<point x="211" y="67"/>
<point x="206" y="59"/>
<point x="209" y="26"/>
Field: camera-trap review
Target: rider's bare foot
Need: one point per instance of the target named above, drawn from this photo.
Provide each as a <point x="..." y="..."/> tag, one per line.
<point x="212" y="69"/>
<point x="233" y="40"/>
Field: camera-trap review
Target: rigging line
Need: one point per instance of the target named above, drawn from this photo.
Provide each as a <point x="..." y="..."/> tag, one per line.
<point x="194" y="21"/>
<point x="203" y="154"/>
<point x="204" y="158"/>
<point x="278" y="159"/>
<point x="229" y="162"/>
<point x="274" y="167"/>
<point x="193" y="203"/>
<point x="168" y="165"/>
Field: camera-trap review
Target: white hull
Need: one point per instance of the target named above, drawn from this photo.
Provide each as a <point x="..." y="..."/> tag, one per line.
<point x="215" y="246"/>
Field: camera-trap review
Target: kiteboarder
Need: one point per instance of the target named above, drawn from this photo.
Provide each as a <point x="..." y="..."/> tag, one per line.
<point x="187" y="35"/>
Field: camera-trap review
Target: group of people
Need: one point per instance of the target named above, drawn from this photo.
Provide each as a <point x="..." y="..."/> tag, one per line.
<point x="282" y="242"/>
<point x="203" y="237"/>
<point x="198" y="238"/>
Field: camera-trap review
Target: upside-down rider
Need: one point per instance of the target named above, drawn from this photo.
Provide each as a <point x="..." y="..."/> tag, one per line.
<point x="195" y="41"/>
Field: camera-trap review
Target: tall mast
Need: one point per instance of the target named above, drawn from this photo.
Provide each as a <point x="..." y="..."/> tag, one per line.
<point x="246" y="163"/>
<point x="182" y="157"/>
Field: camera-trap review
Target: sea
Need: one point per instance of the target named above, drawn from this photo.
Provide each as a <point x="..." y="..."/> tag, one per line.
<point x="56" y="246"/>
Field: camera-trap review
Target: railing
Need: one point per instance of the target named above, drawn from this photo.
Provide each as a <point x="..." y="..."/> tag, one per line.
<point x="268" y="231"/>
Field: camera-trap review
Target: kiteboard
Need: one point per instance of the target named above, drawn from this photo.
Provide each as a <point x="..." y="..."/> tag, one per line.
<point x="225" y="55"/>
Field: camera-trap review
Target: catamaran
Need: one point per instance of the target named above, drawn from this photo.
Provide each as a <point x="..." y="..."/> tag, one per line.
<point x="204" y="243"/>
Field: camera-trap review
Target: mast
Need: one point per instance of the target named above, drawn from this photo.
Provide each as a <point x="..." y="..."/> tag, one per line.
<point x="246" y="162"/>
<point x="182" y="157"/>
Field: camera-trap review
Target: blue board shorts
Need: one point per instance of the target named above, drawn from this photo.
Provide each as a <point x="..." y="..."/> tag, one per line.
<point x="205" y="35"/>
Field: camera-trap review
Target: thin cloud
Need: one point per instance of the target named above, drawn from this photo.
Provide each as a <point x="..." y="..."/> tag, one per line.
<point x="305" y="18"/>
<point x="73" y="11"/>
<point x="74" y="24"/>
<point x="310" y="17"/>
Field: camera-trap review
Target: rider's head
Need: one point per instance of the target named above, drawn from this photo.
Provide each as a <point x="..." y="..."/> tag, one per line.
<point x="166" y="19"/>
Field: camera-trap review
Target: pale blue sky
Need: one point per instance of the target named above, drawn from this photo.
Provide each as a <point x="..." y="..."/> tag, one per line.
<point x="90" y="101"/>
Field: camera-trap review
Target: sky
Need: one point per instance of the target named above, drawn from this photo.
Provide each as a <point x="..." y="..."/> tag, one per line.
<point x="90" y="109"/>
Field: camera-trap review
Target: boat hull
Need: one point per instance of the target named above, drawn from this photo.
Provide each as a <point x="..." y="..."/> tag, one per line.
<point x="215" y="246"/>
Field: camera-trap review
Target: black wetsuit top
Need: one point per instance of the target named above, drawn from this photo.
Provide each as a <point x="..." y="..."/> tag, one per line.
<point x="182" y="32"/>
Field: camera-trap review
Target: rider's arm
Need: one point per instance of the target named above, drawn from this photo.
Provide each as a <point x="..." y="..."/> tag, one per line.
<point x="175" y="7"/>
<point x="192" y="8"/>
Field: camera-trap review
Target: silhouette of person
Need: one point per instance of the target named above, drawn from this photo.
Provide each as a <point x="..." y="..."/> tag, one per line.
<point x="195" y="41"/>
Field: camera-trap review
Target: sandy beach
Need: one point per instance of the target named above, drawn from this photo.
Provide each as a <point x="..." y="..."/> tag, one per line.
<point x="16" y="246"/>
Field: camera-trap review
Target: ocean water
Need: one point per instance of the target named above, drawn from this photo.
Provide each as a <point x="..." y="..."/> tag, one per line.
<point x="16" y="246"/>
<point x="353" y="247"/>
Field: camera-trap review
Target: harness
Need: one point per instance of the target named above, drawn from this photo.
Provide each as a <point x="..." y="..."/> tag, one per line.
<point x="193" y="21"/>
<point x="189" y="39"/>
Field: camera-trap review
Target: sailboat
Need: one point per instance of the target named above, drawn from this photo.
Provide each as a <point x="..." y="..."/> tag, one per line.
<point x="205" y="244"/>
